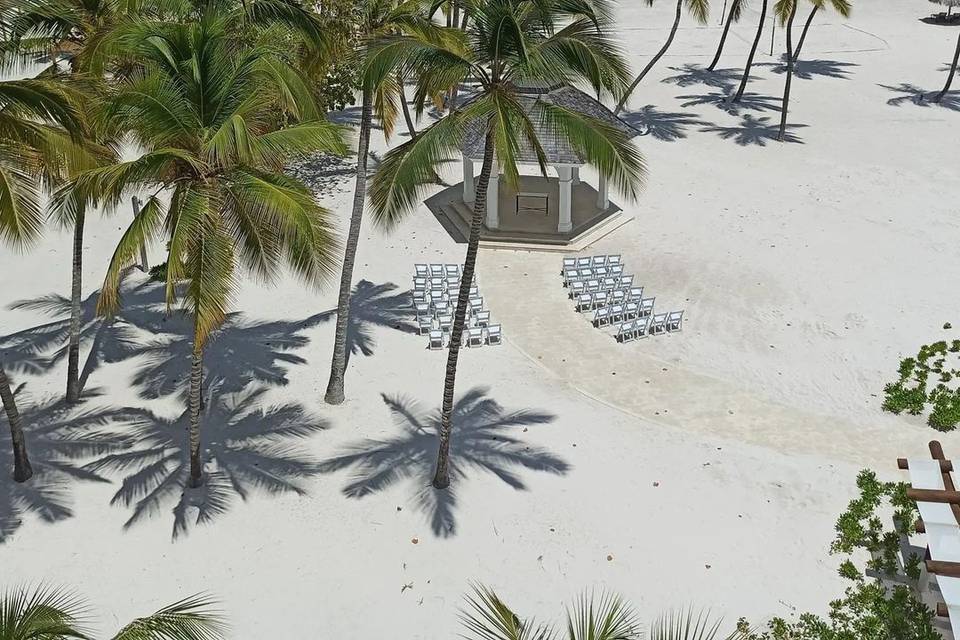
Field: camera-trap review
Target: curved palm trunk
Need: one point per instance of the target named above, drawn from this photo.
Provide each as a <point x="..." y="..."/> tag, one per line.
<point x="723" y="39"/>
<point x="441" y="477"/>
<point x="803" y="34"/>
<point x="753" y="52"/>
<point x="194" y="404"/>
<point x="76" y="286"/>
<point x="953" y="71"/>
<point x="406" y="108"/>
<point x="786" y="87"/>
<point x="21" y="463"/>
<point x="338" y="364"/>
<point x="656" y="58"/>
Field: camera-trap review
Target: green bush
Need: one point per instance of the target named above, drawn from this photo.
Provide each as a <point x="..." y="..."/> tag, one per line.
<point x="912" y="394"/>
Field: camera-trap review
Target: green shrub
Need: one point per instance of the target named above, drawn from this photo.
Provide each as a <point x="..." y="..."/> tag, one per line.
<point x="911" y="393"/>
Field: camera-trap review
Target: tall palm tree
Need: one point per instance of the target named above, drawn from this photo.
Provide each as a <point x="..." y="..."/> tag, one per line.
<point x="37" y="118"/>
<point x="953" y="72"/>
<point x="507" y="43"/>
<point x="843" y="7"/>
<point x="378" y="18"/>
<point x="736" y="12"/>
<point x="753" y="52"/>
<point x="699" y="9"/>
<point x="786" y="11"/>
<point x="207" y="109"/>
<point x="592" y="617"/>
<point x="55" y="614"/>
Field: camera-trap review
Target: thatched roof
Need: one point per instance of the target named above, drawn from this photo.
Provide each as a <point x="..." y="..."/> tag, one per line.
<point x="556" y="147"/>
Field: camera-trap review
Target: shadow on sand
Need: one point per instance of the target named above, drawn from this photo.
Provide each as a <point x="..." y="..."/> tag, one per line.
<point x="915" y="95"/>
<point x="690" y="75"/>
<point x="810" y="69"/>
<point x="720" y="99"/>
<point x="756" y="131"/>
<point x="59" y="437"/>
<point x="662" y="125"/>
<point x="246" y="445"/>
<point x="483" y="441"/>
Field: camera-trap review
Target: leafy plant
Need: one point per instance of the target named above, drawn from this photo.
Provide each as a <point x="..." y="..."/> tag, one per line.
<point x="912" y="391"/>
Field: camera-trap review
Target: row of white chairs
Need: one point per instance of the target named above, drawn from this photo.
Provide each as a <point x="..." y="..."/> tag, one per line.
<point x="425" y="324"/>
<point x="649" y="326"/>
<point x="584" y="262"/>
<point x="592" y="301"/>
<point x="436" y="270"/>
<point x="437" y="308"/>
<point x="613" y="313"/>
<point x="589" y="273"/>
<point x="472" y="337"/>
<point x="597" y="286"/>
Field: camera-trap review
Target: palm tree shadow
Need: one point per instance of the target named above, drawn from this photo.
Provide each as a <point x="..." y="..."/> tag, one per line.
<point x="921" y="98"/>
<point x="59" y="437"/>
<point x="662" y="125"/>
<point x="248" y="448"/>
<point x="756" y="131"/>
<point x="689" y="75"/>
<point x="483" y="441"/>
<point x="371" y="306"/>
<point x="720" y="99"/>
<point x="809" y="69"/>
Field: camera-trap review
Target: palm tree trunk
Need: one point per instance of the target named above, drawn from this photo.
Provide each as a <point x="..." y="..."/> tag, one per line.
<point x="723" y="39"/>
<point x="194" y="406"/>
<point x="338" y="364"/>
<point x="21" y="463"/>
<point x="406" y="108"/>
<point x="953" y="71"/>
<point x="441" y="477"/>
<point x="786" y="87"/>
<point x="803" y="34"/>
<point x="76" y="287"/>
<point x="753" y="52"/>
<point x="656" y="58"/>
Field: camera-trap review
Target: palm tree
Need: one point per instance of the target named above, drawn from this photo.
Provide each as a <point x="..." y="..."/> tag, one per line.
<point x="55" y="614"/>
<point x="953" y="71"/>
<point x="207" y="109"/>
<point x="786" y="10"/>
<point x="843" y="7"/>
<point x="607" y="617"/>
<point x="699" y="9"/>
<point x="378" y="18"/>
<point x="32" y="154"/>
<point x="753" y="52"/>
<point x="507" y="43"/>
<point x="736" y="12"/>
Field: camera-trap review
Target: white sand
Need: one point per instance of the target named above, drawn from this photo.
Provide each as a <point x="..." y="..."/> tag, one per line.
<point x="850" y="238"/>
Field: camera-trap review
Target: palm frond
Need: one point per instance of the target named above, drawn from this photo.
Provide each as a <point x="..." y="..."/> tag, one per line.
<point x="193" y="618"/>
<point x="684" y="625"/>
<point x="608" y="618"/>
<point x="41" y="612"/>
<point x="489" y="618"/>
<point x="699" y="9"/>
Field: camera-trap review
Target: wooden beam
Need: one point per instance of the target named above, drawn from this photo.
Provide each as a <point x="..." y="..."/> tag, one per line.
<point x="946" y="466"/>
<point x="934" y="495"/>
<point x="919" y="527"/>
<point x="942" y="610"/>
<point x="943" y="568"/>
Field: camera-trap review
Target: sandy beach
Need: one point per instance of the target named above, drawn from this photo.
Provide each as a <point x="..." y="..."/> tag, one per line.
<point x="704" y="468"/>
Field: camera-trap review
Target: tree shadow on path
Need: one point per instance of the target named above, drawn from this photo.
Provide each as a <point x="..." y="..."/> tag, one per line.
<point x="720" y="99"/>
<point x="921" y="98"/>
<point x="690" y="75"/>
<point x="756" y="131"/>
<point x="59" y="437"/>
<point x="662" y="125"/>
<point x="809" y="69"/>
<point x="247" y="447"/>
<point x="483" y="440"/>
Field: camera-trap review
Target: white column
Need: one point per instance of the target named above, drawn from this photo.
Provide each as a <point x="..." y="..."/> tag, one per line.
<point x="576" y="175"/>
<point x="493" y="199"/>
<point x="603" y="200"/>
<point x="566" y="183"/>
<point x="469" y="190"/>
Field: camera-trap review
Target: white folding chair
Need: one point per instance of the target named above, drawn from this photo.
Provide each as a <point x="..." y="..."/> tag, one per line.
<point x="618" y="296"/>
<point x="419" y="283"/>
<point x="441" y="307"/>
<point x="615" y="271"/>
<point x="569" y="276"/>
<point x="576" y="288"/>
<point x="421" y="270"/>
<point x="476" y="303"/>
<point x="626" y="281"/>
<point x="636" y="294"/>
<point x="452" y="270"/>
<point x="493" y="334"/>
<point x="598" y="261"/>
<point x="616" y="313"/>
<point x="630" y="310"/>
<point x="422" y="309"/>
<point x="436" y="270"/>
<point x="608" y="284"/>
<point x="601" y="316"/>
<point x="569" y="263"/>
<point x="482" y="318"/>
<point x="675" y="321"/>
<point x="646" y="307"/>
<point x="583" y="263"/>
<point x="584" y="301"/>
<point x="614" y="260"/>
<point x="425" y="325"/>
<point x="626" y="331"/>
<point x="642" y="326"/>
<point x="475" y="337"/>
<point x="445" y="321"/>
<point x="600" y="299"/>
<point x="436" y="339"/>
<point x="593" y="286"/>
<point x="658" y="324"/>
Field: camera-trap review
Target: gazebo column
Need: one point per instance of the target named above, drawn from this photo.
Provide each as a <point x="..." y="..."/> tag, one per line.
<point x="469" y="190"/>
<point x="493" y="199"/>
<point x="566" y="185"/>
<point x="603" y="199"/>
<point x="576" y="175"/>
